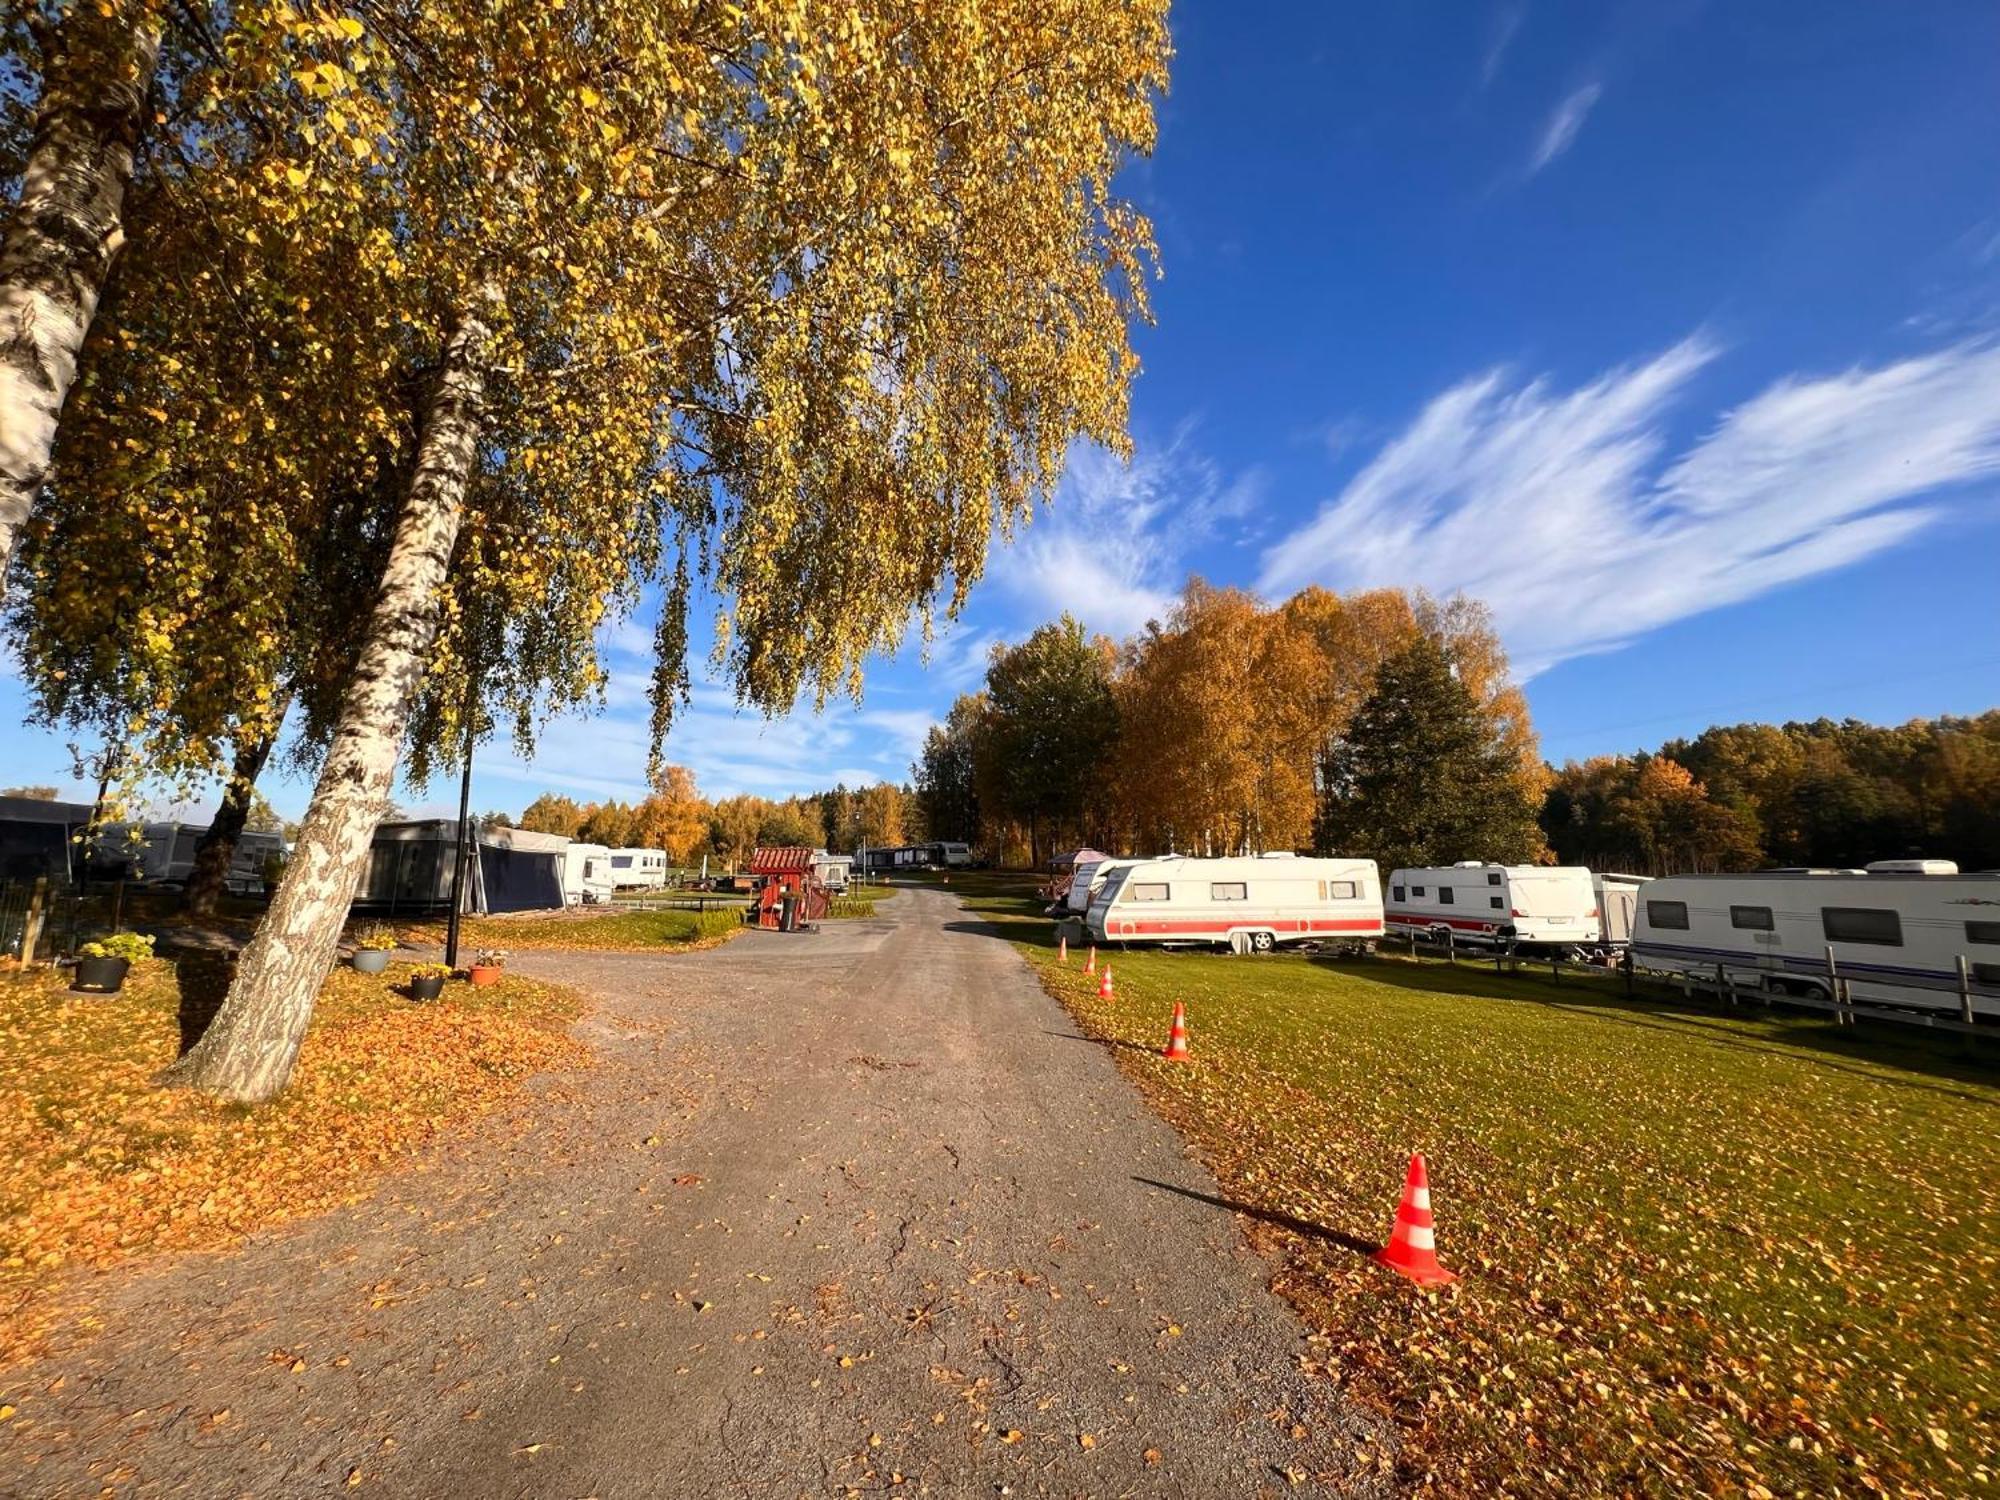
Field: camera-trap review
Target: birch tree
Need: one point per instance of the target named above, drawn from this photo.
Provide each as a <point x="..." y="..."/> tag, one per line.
<point x="66" y="226"/>
<point x="791" y="305"/>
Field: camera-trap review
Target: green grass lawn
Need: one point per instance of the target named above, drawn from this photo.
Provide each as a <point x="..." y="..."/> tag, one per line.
<point x="580" y="928"/>
<point x="1718" y="1252"/>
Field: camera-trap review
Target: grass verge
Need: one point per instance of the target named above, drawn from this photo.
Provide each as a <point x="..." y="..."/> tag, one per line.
<point x="1738" y="1253"/>
<point x="98" y="1164"/>
<point x="601" y="931"/>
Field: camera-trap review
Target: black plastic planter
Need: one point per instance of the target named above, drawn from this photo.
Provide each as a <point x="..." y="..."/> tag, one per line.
<point x="102" y="976"/>
<point x="426" y="987"/>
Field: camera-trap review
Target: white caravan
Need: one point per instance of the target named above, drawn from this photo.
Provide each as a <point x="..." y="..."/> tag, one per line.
<point x="1896" y="933"/>
<point x="1248" y="902"/>
<point x="1497" y="905"/>
<point x="644" y="868"/>
<point x="834" y="871"/>
<point x="1088" y="881"/>
<point x="587" y="874"/>
<point x="1618" y="905"/>
<point x="168" y="855"/>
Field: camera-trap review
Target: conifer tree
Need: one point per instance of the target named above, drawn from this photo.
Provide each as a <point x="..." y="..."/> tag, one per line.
<point x="1422" y="777"/>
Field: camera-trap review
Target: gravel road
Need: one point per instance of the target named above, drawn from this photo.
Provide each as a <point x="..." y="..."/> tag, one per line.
<point x="844" y="1212"/>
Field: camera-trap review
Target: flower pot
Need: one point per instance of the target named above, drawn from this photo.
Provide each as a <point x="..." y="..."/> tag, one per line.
<point x="485" y="973"/>
<point x="370" y="960"/>
<point x="101" y="975"/>
<point x="427" y="987"/>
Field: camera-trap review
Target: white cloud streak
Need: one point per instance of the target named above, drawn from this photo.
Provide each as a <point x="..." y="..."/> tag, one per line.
<point x="1563" y="512"/>
<point x="1111" y="549"/>
<point x="1506" y="26"/>
<point x="1560" y="133"/>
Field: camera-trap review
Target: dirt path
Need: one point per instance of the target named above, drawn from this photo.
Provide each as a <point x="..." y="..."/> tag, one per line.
<point x="847" y="1211"/>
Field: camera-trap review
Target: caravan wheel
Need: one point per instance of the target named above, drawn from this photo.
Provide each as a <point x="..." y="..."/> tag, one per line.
<point x="1263" y="942"/>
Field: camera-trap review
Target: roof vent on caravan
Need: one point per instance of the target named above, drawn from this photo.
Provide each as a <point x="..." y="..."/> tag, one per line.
<point x="1279" y="854"/>
<point x="1470" y="864"/>
<point x="1913" y="867"/>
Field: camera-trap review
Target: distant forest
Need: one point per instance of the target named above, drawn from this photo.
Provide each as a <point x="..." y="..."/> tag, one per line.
<point x="1745" y="796"/>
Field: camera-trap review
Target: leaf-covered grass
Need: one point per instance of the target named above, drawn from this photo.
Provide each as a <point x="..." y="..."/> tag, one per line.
<point x="98" y="1163"/>
<point x="582" y="928"/>
<point x="1702" y="1252"/>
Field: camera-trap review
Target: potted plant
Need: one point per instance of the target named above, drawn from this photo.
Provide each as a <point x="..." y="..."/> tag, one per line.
<point x="487" y="966"/>
<point x="372" y="947"/>
<point x="427" y="981"/>
<point x="101" y="966"/>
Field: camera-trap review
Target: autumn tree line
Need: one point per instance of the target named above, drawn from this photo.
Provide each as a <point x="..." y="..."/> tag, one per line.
<point x="676" y="818"/>
<point x="360" y="361"/>
<point x="1232" y="725"/>
<point x="1385" y="725"/>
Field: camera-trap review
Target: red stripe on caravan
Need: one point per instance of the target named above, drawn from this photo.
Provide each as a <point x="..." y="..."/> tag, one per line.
<point x="1332" y="924"/>
<point x="1422" y="919"/>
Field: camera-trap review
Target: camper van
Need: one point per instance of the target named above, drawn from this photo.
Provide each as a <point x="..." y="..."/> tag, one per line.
<point x="588" y="879"/>
<point x="1893" y="934"/>
<point x="643" y="868"/>
<point x="1253" y="902"/>
<point x="1618" y="906"/>
<point x="1542" y="906"/>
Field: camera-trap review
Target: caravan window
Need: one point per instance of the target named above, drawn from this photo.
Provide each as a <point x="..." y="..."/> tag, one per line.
<point x="1416" y="890"/>
<point x="1229" y="890"/>
<point x="1147" y="893"/>
<point x="1982" y="932"/>
<point x="1341" y="890"/>
<point x="1752" y="918"/>
<point x="1493" y="877"/>
<point x="1668" y="914"/>
<point x="1396" y="893"/>
<point x="1498" y="903"/>
<point x="1862" y="924"/>
<point x="1446" y="897"/>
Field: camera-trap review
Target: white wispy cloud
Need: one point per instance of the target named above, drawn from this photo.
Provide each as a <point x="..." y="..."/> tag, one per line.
<point x="1506" y="26"/>
<point x="1560" y="132"/>
<point x="1564" y="512"/>
<point x="1112" y="549"/>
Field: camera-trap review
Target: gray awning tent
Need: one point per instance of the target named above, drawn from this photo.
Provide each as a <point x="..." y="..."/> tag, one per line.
<point x="410" y="868"/>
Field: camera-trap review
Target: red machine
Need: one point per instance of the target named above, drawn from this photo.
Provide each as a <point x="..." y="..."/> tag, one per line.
<point x="789" y="894"/>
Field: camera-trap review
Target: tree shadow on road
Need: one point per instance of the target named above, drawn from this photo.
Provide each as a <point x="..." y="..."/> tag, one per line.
<point x="1100" y="1041"/>
<point x="1303" y="1227"/>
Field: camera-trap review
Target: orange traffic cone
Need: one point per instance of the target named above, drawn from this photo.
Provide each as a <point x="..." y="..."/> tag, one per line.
<point x="1412" y="1247"/>
<point x="1062" y="949"/>
<point x="1090" y="964"/>
<point x="1104" y="984"/>
<point x="1177" y="1047"/>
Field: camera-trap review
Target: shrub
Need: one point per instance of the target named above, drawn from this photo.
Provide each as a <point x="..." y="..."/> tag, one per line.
<point x="130" y="946"/>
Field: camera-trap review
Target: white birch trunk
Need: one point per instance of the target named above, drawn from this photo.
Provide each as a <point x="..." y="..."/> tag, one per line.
<point x="63" y="234"/>
<point x="248" y="1051"/>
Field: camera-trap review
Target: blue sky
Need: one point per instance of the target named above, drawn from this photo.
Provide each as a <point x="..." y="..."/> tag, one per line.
<point x="1670" y="329"/>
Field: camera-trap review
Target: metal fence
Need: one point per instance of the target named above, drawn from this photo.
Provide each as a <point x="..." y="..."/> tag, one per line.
<point x="1618" y="970"/>
<point x="42" y="919"/>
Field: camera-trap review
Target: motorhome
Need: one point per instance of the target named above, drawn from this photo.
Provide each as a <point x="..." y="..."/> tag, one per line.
<point x="645" y="869"/>
<point x="1907" y="933"/>
<point x="1618" y="906"/>
<point x="1254" y="902"/>
<point x="1500" y="906"/>
<point x="588" y="879"/>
